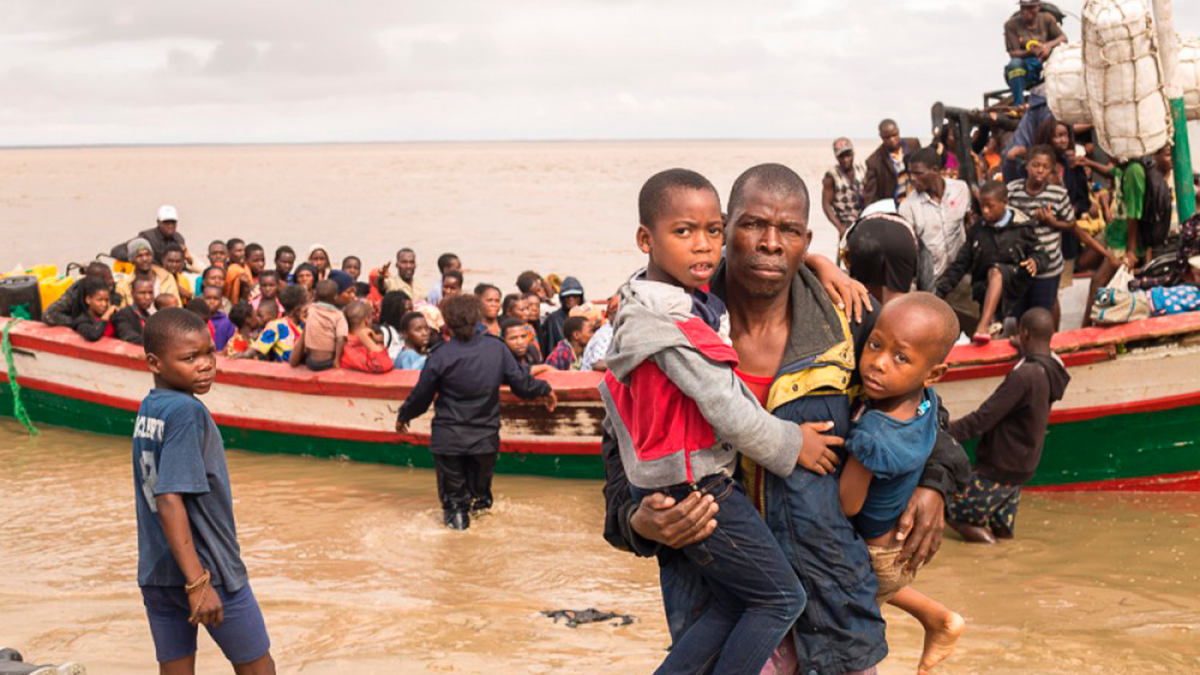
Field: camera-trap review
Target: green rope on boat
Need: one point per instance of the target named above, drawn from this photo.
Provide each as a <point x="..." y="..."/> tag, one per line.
<point x="19" y="411"/>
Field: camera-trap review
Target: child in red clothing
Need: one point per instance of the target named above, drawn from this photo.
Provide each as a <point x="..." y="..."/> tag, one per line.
<point x="96" y="322"/>
<point x="364" y="348"/>
<point x="245" y="319"/>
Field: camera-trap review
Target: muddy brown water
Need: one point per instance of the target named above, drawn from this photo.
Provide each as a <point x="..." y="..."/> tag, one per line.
<point x="356" y="574"/>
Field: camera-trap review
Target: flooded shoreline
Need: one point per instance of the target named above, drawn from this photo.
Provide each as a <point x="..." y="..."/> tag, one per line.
<point x="354" y="570"/>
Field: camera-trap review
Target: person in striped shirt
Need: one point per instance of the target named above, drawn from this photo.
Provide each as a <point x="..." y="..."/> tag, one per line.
<point x="1050" y="206"/>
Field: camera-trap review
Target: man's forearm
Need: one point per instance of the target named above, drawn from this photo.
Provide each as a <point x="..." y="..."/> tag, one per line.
<point x="174" y="519"/>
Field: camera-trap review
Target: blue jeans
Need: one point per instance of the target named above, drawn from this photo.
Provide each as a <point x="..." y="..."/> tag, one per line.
<point x="1022" y="74"/>
<point x="756" y="596"/>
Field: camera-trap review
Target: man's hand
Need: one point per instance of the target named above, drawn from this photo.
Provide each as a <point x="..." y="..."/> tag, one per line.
<point x="550" y="401"/>
<point x="1130" y="260"/>
<point x="402" y="426"/>
<point x="920" y="528"/>
<point x="383" y="271"/>
<point x="815" y="454"/>
<point x="206" y="607"/>
<point x="1030" y="266"/>
<point x="658" y="518"/>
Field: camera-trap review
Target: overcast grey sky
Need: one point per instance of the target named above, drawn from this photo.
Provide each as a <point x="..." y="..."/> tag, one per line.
<point x="165" y="71"/>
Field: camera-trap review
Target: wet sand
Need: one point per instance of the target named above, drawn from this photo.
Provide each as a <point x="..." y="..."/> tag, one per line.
<point x="356" y="574"/>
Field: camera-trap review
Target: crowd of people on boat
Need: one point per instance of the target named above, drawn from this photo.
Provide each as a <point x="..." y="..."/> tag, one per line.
<point x="322" y="317"/>
<point x="1051" y="205"/>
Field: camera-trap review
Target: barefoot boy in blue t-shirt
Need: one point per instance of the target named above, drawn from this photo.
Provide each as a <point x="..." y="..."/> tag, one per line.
<point x="891" y="441"/>
<point x="189" y="563"/>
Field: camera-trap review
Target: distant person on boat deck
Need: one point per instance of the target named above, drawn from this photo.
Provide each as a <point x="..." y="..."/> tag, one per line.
<point x="278" y="338"/>
<point x="452" y="284"/>
<point x="237" y="251"/>
<point x="1001" y="256"/>
<point x="218" y="321"/>
<point x="568" y="354"/>
<point x="245" y="320"/>
<point x="887" y="170"/>
<point x="550" y="333"/>
<point x="392" y="308"/>
<point x="142" y="257"/>
<point x="515" y="335"/>
<point x="71" y="305"/>
<point x="416" y="333"/>
<point x="597" y="348"/>
<point x="318" y="257"/>
<point x="364" y="349"/>
<point x="465" y="375"/>
<point x="218" y="254"/>
<point x="305" y="276"/>
<point x="532" y="282"/>
<point x="268" y="290"/>
<point x="842" y="188"/>
<point x="164" y="301"/>
<point x="881" y="253"/>
<point x="405" y="277"/>
<point x="96" y="322"/>
<point x="285" y="260"/>
<point x="1049" y="206"/>
<point x="1011" y="425"/>
<point x="213" y="276"/>
<point x="164" y="233"/>
<point x="241" y="279"/>
<point x="321" y="343"/>
<point x="129" y="321"/>
<point x="1029" y="36"/>
<point x="445" y="263"/>
<point x="174" y="263"/>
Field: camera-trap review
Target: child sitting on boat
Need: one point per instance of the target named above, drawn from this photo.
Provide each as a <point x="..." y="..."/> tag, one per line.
<point x="218" y="321"/>
<point x="1011" y="425"/>
<point x="889" y="444"/>
<point x="268" y="290"/>
<point x="364" y="349"/>
<point x="245" y="319"/>
<point x="682" y="415"/>
<point x="96" y="322"/>
<point x="568" y="354"/>
<point x="414" y="330"/>
<point x="321" y="343"/>
<point x="129" y="321"/>
<point x="1001" y="255"/>
<point x="465" y="375"/>
<point x="276" y="341"/>
<point x="190" y="568"/>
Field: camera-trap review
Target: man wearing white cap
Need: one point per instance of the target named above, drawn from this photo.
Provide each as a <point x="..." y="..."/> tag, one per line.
<point x="164" y="234"/>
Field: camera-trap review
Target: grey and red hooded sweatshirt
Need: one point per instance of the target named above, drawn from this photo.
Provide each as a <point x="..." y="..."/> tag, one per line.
<point x="676" y="406"/>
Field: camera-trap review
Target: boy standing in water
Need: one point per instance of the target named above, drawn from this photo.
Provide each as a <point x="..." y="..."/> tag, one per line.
<point x="190" y="568"/>
<point x="891" y="441"/>
<point x="1011" y="426"/>
<point x="681" y="415"/>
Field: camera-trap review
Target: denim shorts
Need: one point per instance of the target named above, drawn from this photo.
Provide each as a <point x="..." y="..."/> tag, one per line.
<point x="242" y="635"/>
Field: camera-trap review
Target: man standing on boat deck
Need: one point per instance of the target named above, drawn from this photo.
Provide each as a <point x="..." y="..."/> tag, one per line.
<point x="842" y="188"/>
<point x="937" y="210"/>
<point x="791" y="338"/>
<point x="164" y="233"/>
<point x="887" y="171"/>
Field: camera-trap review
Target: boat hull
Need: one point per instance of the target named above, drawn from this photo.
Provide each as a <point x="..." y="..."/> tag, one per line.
<point x="1130" y="419"/>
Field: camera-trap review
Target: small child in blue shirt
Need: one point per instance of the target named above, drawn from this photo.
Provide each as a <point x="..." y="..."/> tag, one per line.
<point x="891" y="441"/>
<point x="190" y="568"/>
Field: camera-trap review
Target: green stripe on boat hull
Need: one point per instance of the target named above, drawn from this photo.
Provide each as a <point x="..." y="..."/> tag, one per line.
<point x="1152" y="443"/>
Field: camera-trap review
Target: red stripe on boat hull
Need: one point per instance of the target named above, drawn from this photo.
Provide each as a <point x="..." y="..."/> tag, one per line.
<point x="1174" y="482"/>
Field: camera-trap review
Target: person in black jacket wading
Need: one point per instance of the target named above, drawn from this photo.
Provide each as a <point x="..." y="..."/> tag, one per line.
<point x="1011" y="426"/>
<point x="465" y="374"/>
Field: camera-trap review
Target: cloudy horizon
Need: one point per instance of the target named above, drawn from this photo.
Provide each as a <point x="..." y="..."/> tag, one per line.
<point x="91" y="72"/>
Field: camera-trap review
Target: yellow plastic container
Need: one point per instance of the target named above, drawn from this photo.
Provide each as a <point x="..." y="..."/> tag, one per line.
<point x="121" y="267"/>
<point x="52" y="288"/>
<point x="39" y="271"/>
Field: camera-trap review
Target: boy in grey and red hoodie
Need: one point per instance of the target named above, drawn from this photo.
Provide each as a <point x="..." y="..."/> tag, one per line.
<point x="681" y="415"/>
<point x="1011" y="426"/>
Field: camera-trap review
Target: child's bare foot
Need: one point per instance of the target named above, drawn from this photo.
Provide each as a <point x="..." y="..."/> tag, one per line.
<point x="940" y="640"/>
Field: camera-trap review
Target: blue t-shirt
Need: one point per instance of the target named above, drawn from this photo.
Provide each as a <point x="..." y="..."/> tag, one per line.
<point x="177" y="449"/>
<point x="895" y="452"/>
<point x="410" y="359"/>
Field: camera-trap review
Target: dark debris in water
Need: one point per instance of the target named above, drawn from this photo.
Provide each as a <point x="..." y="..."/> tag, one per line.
<point x="575" y="617"/>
